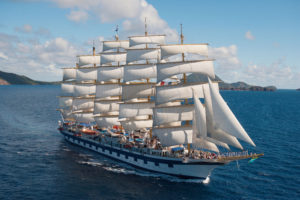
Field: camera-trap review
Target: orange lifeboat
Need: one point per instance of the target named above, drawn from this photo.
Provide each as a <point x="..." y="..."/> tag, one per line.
<point x="88" y="132"/>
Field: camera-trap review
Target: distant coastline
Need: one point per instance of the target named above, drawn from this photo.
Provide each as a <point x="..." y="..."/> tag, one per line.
<point x="15" y="79"/>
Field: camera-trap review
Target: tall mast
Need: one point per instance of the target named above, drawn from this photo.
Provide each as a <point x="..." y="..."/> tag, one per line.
<point x="94" y="51"/>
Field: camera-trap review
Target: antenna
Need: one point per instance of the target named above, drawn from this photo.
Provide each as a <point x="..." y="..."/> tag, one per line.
<point x="181" y="35"/>
<point x="146" y="32"/>
<point x="117" y="32"/>
<point x="94" y="48"/>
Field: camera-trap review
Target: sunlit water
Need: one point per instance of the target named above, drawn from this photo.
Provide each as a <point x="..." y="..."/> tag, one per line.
<point x="37" y="163"/>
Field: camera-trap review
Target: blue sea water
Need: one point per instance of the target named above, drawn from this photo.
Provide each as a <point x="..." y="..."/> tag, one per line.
<point x="37" y="163"/>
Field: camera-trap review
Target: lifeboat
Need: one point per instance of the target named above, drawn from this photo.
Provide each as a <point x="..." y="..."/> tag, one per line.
<point x="88" y="132"/>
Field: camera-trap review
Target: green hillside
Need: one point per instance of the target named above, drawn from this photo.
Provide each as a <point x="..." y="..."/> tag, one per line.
<point x="14" y="79"/>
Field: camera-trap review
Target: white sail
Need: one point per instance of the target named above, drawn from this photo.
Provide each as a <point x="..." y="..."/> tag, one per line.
<point x="164" y="115"/>
<point x="83" y="104"/>
<point x="149" y="39"/>
<point x="108" y="121"/>
<point x="204" y="144"/>
<point x="166" y="70"/>
<point x="69" y="74"/>
<point x="84" y="90"/>
<point x="67" y="89"/>
<point x="136" y="125"/>
<point x="213" y="131"/>
<point x="111" y="57"/>
<point x="84" y="117"/>
<point x="107" y="90"/>
<point x="137" y="72"/>
<point x="199" y="122"/>
<point x="86" y="74"/>
<point x="137" y="91"/>
<point x="65" y="102"/>
<point x="130" y="110"/>
<point x="67" y="114"/>
<point x="109" y="73"/>
<point x="106" y="106"/>
<point x="142" y="54"/>
<point x="174" y="136"/>
<point x="109" y="45"/>
<point x="224" y="118"/>
<point x="88" y="60"/>
<point x="170" y="50"/>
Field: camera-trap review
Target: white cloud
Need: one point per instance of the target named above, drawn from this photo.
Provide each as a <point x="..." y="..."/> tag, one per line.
<point x="78" y="16"/>
<point x="3" y="56"/>
<point x="26" y="28"/>
<point x="249" y="36"/>
<point x="132" y="13"/>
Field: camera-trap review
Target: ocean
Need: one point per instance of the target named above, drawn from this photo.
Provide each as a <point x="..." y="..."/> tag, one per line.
<point x="37" y="163"/>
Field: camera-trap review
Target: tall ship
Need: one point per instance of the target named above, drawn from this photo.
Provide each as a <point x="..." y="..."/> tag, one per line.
<point x="132" y="103"/>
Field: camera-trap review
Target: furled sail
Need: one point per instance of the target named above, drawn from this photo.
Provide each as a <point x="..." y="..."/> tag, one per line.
<point x="137" y="72"/>
<point x="69" y="74"/>
<point x="142" y="54"/>
<point x="67" y="89"/>
<point x="225" y="119"/>
<point x="109" y="73"/>
<point x="89" y="60"/>
<point x="174" y="136"/>
<point x="164" y="115"/>
<point x="173" y="49"/>
<point x="86" y="74"/>
<point x="137" y="91"/>
<point x="107" y="90"/>
<point x="166" y="70"/>
<point x="149" y="39"/>
<point x="106" y="106"/>
<point x="84" y="90"/>
<point x="109" y="45"/>
<point x="130" y="110"/>
<point x="111" y="57"/>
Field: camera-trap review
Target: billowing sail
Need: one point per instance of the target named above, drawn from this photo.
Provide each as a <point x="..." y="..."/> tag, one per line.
<point x="88" y="60"/>
<point x="136" y="125"/>
<point x="109" y="45"/>
<point x="137" y="91"/>
<point x="84" y="117"/>
<point x="112" y="57"/>
<point x="84" y="90"/>
<point x="67" y="114"/>
<point x="109" y="73"/>
<point x="107" y="90"/>
<point x="213" y="131"/>
<point x="69" y="74"/>
<point x="83" y="104"/>
<point x="204" y="144"/>
<point x="174" y="136"/>
<point x="170" y="50"/>
<point x="199" y="121"/>
<point x="67" y="89"/>
<point x="165" y="115"/>
<point x="130" y="110"/>
<point x="142" y="54"/>
<point x="137" y="72"/>
<point x="225" y="119"/>
<point x="166" y="70"/>
<point x="65" y="102"/>
<point x="107" y="121"/>
<point x="106" y="106"/>
<point x="86" y="74"/>
<point x="149" y="39"/>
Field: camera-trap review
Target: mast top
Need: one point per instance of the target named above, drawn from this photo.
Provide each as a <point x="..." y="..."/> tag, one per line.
<point x="146" y="32"/>
<point x="117" y="33"/>
<point x="181" y="35"/>
<point x="94" y="53"/>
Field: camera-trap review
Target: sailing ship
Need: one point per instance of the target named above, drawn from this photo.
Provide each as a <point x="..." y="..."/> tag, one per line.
<point x="132" y="103"/>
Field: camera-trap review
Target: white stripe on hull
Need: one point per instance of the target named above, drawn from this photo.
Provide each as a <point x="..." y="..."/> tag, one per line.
<point x="200" y="171"/>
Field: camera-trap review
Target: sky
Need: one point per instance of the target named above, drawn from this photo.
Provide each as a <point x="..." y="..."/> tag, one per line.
<point x="255" y="41"/>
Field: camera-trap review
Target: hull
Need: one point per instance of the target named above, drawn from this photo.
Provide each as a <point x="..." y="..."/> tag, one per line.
<point x="166" y="165"/>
